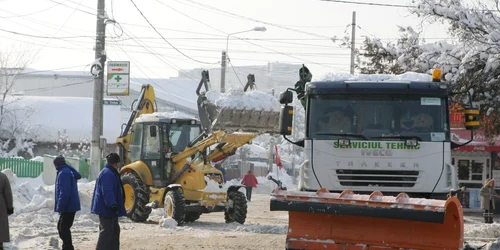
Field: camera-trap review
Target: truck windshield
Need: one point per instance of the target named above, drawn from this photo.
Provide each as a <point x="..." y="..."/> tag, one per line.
<point x="179" y="135"/>
<point x="378" y="117"/>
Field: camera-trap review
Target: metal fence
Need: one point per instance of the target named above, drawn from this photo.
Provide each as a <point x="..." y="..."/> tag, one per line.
<point x="21" y="167"/>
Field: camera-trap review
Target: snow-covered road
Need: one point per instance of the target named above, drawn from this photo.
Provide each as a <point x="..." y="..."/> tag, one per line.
<point x="33" y="226"/>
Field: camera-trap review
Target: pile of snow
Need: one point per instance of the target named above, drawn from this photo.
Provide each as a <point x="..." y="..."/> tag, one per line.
<point x="482" y="230"/>
<point x="266" y="186"/>
<point x="38" y="158"/>
<point x="164" y="115"/>
<point x="212" y="186"/>
<point x="34" y="215"/>
<point x="407" y="76"/>
<point x="168" y="223"/>
<point x="237" y="98"/>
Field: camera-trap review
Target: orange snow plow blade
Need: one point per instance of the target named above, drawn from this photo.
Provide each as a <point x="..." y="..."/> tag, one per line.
<point x="349" y="221"/>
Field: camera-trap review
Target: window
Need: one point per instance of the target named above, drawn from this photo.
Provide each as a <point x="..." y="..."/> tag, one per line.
<point x="463" y="170"/>
<point x="151" y="146"/>
<point x="375" y="117"/>
<point x="135" y="143"/>
<point x="180" y="135"/>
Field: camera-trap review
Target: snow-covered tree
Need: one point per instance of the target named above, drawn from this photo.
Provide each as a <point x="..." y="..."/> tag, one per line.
<point x="471" y="63"/>
<point x="16" y="133"/>
<point x="64" y="146"/>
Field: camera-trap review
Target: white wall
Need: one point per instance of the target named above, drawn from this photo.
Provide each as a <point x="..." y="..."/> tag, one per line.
<point x="53" y="114"/>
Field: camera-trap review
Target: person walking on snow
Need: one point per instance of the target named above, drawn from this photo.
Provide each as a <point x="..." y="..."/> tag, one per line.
<point x="108" y="202"/>
<point x="250" y="181"/>
<point x="67" y="200"/>
<point x="6" y="208"/>
<point x="488" y="194"/>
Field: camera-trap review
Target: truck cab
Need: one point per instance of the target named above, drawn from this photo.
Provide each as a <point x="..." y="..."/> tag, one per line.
<point x="390" y="136"/>
<point x="156" y="139"/>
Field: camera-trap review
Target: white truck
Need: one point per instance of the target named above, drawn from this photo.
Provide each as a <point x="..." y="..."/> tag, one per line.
<point x="364" y="136"/>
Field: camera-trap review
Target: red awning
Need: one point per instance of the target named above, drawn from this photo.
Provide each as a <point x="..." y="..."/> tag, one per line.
<point x="480" y="143"/>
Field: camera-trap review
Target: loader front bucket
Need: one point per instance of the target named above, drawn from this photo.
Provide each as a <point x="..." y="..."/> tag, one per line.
<point x="325" y="220"/>
<point x="230" y="119"/>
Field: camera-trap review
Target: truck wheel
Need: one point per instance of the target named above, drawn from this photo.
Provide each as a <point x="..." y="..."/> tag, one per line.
<point x="192" y="216"/>
<point x="237" y="209"/>
<point x="136" y="197"/>
<point x="175" y="206"/>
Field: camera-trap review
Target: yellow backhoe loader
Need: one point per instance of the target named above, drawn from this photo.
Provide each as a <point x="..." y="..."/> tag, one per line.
<point x="167" y="158"/>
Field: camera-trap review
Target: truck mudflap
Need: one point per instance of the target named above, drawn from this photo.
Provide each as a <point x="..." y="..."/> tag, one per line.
<point x="325" y="220"/>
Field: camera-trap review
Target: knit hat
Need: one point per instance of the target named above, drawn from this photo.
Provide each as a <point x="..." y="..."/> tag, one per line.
<point x="113" y="158"/>
<point x="59" y="161"/>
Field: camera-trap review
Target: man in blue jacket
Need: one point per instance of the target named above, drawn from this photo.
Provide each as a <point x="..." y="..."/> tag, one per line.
<point x="108" y="202"/>
<point x="67" y="200"/>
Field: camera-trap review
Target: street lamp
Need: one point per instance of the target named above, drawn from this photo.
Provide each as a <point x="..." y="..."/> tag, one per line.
<point x="224" y="56"/>
<point x="261" y="29"/>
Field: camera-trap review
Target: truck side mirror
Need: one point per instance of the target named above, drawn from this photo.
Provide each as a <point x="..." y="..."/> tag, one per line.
<point x="286" y="120"/>
<point x="471" y="118"/>
<point x="286" y="97"/>
<point x="152" y="131"/>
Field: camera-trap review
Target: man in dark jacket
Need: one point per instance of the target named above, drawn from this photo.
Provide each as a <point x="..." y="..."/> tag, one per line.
<point x="67" y="200"/>
<point x="6" y="208"/>
<point x="108" y="202"/>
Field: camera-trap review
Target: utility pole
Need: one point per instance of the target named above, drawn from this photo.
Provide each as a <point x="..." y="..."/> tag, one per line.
<point x="353" y="41"/>
<point x="97" y="114"/>
<point x="271" y="158"/>
<point x="223" y="72"/>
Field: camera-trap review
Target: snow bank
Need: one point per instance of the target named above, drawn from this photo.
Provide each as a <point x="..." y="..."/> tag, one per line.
<point x="38" y="158"/>
<point x="482" y="230"/>
<point x="34" y="216"/>
<point x="407" y="76"/>
<point x="237" y="98"/>
<point x="164" y="115"/>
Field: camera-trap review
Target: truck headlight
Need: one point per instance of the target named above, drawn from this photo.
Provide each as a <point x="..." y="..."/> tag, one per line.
<point x="344" y="142"/>
<point x="411" y="142"/>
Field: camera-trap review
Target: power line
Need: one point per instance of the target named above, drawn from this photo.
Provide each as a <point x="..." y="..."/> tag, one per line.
<point x="45" y="37"/>
<point x="49" y="70"/>
<point x="257" y="44"/>
<point x="83" y="11"/>
<point x="164" y="37"/>
<point x="259" y="21"/>
<point x="390" y="5"/>
<point x="232" y="66"/>
<point x="371" y="3"/>
<point x="62" y="86"/>
<point x="32" y="13"/>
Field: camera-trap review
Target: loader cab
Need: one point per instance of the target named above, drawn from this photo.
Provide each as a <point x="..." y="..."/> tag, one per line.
<point x="155" y="141"/>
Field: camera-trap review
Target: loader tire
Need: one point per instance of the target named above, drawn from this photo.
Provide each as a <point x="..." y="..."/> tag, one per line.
<point x="175" y="206"/>
<point x="136" y="197"/>
<point x="237" y="210"/>
<point x="192" y="216"/>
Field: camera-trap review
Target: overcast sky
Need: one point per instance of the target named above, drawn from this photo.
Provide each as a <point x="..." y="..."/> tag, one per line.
<point x="62" y="32"/>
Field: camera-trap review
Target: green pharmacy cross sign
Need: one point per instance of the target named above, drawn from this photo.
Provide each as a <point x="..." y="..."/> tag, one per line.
<point x="118" y="78"/>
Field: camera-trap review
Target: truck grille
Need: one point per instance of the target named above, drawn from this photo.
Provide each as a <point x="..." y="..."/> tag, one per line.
<point x="379" y="178"/>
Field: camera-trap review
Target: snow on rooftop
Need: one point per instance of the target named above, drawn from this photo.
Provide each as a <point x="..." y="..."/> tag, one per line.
<point x="164" y="115"/>
<point x="180" y="91"/>
<point x="53" y="114"/>
<point x="408" y="76"/>
<point x="237" y="98"/>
